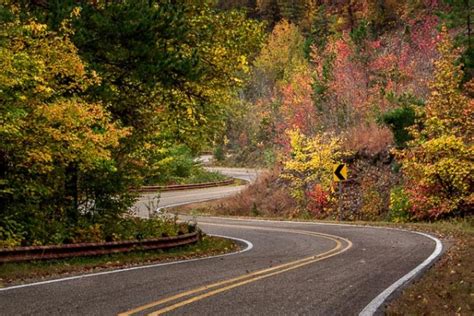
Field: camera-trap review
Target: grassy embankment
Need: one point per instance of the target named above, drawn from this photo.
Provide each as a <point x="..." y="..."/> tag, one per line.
<point x="15" y="273"/>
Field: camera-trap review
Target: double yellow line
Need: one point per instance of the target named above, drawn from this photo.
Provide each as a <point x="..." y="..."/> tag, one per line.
<point x="199" y="293"/>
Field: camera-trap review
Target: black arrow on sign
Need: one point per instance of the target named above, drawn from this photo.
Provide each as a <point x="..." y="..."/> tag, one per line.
<point x="337" y="172"/>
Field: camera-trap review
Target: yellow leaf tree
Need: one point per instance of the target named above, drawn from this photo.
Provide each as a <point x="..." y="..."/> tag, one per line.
<point x="310" y="164"/>
<point x="51" y="138"/>
<point x="437" y="164"/>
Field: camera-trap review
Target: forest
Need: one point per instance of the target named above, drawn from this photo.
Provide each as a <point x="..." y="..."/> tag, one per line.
<point x="98" y="97"/>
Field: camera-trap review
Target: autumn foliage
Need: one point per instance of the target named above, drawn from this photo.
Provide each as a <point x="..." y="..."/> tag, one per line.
<point x="97" y="99"/>
<point x="374" y="77"/>
<point x="438" y="163"/>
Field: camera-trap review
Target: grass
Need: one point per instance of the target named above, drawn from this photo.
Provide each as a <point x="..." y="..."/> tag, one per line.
<point x="447" y="288"/>
<point x="25" y="272"/>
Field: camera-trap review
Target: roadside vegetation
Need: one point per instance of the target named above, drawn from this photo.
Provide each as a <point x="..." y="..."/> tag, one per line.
<point x="385" y="89"/>
<point x="178" y="166"/>
<point x="127" y="228"/>
<point x="98" y="98"/>
<point x="17" y="273"/>
<point x="88" y="114"/>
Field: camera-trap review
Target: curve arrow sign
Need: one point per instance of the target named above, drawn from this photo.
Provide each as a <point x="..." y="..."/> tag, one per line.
<point x="340" y="172"/>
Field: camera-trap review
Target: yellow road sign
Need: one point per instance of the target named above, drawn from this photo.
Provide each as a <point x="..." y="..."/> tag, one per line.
<point x="340" y="172"/>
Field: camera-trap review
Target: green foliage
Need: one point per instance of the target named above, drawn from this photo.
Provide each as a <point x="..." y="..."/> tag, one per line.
<point x="139" y="228"/>
<point x="182" y="61"/>
<point x="219" y="154"/>
<point x="269" y="157"/>
<point x="11" y="233"/>
<point x="99" y="96"/>
<point x="360" y="33"/>
<point x="168" y="164"/>
<point x="399" y="205"/>
<point x="176" y="165"/>
<point x="401" y="117"/>
<point x="200" y="175"/>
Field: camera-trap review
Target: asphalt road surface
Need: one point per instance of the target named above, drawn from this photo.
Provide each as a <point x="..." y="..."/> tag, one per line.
<point x="287" y="269"/>
<point x="150" y="202"/>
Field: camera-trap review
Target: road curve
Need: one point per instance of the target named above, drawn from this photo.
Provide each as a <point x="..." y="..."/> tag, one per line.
<point x="292" y="269"/>
<point x="150" y="202"/>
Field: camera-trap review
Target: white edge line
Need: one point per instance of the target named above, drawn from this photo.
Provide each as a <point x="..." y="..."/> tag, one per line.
<point x="374" y="305"/>
<point x="248" y="247"/>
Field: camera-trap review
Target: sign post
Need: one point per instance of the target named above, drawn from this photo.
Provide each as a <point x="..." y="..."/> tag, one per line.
<point x="339" y="175"/>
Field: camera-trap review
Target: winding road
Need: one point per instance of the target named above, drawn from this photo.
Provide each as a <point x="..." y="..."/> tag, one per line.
<point x="284" y="268"/>
<point x="150" y="202"/>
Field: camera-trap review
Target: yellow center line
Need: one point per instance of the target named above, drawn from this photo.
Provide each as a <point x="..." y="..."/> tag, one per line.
<point x="229" y="287"/>
<point x="251" y="277"/>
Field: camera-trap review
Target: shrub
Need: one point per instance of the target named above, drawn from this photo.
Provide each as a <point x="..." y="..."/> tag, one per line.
<point x="311" y="163"/>
<point x="11" y="233"/>
<point x="319" y="201"/>
<point x="398" y="120"/>
<point x="169" y="165"/>
<point x="439" y="177"/>
<point x="128" y="228"/>
<point x="200" y="175"/>
<point x="368" y="139"/>
<point x="399" y="205"/>
<point x="219" y="153"/>
<point x="372" y="204"/>
<point x="90" y="233"/>
<point x="266" y="197"/>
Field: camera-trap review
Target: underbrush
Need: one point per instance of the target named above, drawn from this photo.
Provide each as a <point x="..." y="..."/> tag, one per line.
<point x="177" y="165"/>
<point x="365" y="197"/>
<point x="195" y="174"/>
<point x="200" y="175"/>
<point x="265" y="197"/>
<point x="101" y="230"/>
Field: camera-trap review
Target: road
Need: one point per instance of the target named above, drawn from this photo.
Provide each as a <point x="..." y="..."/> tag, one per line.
<point x="292" y="269"/>
<point x="152" y="201"/>
<point x="285" y="268"/>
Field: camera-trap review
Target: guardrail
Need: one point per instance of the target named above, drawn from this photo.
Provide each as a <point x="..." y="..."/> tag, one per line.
<point x="93" y="249"/>
<point x="177" y="187"/>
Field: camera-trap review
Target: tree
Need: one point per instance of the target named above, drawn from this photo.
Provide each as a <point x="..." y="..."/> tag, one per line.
<point x="297" y="109"/>
<point x="448" y="110"/>
<point x="282" y="54"/>
<point x="311" y="163"/>
<point x="50" y="137"/>
<point x="458" y="16"/>
<point x="438" y="165"/>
